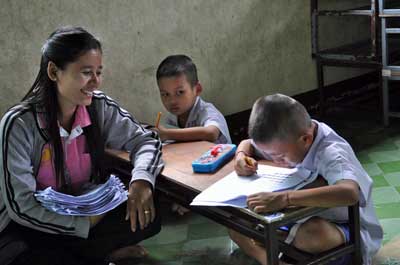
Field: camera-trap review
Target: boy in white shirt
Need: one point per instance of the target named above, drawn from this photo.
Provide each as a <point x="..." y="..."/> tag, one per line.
<point x="180" y="91"/>
<point x="282" y="131"/>
<point x="193" y="118"/>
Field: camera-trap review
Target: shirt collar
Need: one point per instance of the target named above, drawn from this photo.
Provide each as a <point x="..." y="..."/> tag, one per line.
<point x="82" y="118"/>
<point x="193" y="111"/>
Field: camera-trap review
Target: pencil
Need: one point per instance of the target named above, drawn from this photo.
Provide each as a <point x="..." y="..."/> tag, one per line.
<point x="158" y="119"/>
<point x="249" y="162"/>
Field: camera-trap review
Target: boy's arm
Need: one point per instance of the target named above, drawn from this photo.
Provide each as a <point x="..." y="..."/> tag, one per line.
<point x="245" y="147"/>
<point x="208" y="133"/>
<point x="343" y="193"/>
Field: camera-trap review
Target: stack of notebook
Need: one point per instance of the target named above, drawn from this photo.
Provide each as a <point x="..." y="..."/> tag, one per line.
<point x="101" y="199"/>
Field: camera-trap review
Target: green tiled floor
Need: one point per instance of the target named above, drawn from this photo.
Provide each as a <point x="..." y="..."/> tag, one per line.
<point x="384" y="168"/>
<point x="193" y="239"/>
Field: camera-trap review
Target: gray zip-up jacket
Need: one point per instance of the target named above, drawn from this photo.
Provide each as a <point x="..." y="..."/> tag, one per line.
<point x="21" y="143"/>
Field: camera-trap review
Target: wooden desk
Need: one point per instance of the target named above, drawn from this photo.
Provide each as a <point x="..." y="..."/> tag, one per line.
<point x="179" y="183"/>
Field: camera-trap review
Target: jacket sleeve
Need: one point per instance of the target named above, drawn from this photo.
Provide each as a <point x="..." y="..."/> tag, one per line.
<point x="17" y="183"/>
<point x="123" y="132"/>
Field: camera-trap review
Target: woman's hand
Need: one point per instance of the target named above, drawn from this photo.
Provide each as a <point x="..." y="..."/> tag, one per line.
<point x="140" y="204"/>
<point x="243" y="167"/>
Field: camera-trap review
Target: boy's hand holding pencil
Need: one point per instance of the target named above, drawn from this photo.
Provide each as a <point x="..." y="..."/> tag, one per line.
<point x="244" y="164"/>
<point x="161" y="130"/>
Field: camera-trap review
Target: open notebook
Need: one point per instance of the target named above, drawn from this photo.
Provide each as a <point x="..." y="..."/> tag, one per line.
<point x="233" y="190"/>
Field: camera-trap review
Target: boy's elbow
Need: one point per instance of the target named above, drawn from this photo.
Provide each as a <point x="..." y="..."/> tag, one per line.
<point x="213" y="137"/>
<point x="353" y="193"/>
<point x="212" y="134"/>
<point x="210" y="138"/>
<point x="349" y="192"/>
<point x="354" y="197"/>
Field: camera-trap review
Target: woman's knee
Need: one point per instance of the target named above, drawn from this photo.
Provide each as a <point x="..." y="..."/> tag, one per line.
<point x="42" y="256"/>
<point x="15" y="254"/>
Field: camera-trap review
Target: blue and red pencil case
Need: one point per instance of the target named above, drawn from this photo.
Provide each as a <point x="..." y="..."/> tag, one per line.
<point x="214" y="158"/>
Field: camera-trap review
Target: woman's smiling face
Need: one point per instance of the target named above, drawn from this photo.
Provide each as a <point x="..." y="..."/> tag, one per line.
<point x="76" y="83"/>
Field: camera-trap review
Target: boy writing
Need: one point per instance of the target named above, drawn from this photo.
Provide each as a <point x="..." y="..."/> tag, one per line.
<point x="282" y="131"/>
<point x="180" y="91"/>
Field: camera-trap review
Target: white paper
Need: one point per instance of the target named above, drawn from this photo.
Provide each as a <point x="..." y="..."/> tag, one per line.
<point x="233" y="190"/>
<point x="101" y="199"/>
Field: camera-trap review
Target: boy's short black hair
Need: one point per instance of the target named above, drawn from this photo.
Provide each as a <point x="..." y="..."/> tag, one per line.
<point x="176" y="65"/>
<point x="277" y="117"/>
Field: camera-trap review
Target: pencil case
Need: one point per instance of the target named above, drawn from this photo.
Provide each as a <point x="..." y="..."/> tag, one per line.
<point x="214" y="158"/>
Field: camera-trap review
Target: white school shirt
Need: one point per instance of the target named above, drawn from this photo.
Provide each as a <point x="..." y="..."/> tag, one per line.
<point x="332" y="157"/>
<point x="204" y="114"/>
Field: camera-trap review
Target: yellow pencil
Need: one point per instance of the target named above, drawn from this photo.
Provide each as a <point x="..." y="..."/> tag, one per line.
<point x="248" y="161"/>
<point x="158" y="119"/>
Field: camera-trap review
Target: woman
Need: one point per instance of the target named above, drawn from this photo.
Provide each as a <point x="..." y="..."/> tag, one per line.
<point x="56" y="137"/>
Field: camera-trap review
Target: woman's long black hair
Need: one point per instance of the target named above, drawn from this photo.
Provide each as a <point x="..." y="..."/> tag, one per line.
<point x="65" y="46"/>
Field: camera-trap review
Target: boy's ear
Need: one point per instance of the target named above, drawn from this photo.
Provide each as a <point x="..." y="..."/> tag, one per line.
<point x="52" y="71"/>
<point x="198" y="88"/>
<point x="307" y="138"/>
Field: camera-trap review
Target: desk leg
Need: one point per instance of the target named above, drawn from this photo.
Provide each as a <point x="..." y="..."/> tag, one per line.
<point x="271" y="245"/>
<point x="354" y="225"/>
